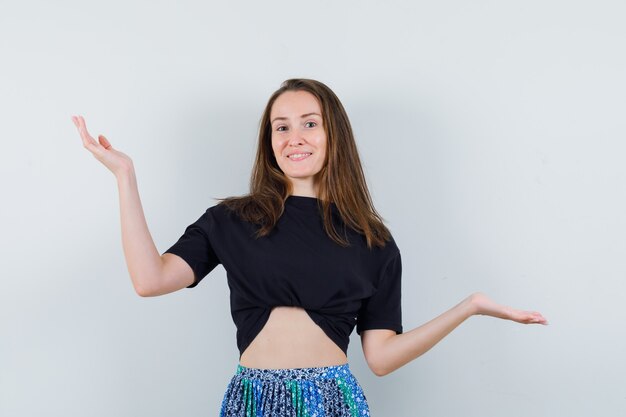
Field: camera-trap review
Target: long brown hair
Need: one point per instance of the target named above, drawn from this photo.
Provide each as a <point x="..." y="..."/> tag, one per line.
<point x="341" y="179"/>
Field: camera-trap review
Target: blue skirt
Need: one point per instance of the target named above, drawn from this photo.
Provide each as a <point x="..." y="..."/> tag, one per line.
<point x="328" y="391"/>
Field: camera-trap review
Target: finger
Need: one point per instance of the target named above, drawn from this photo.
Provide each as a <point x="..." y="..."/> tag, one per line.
<point x="80" y="125"/>
<point x="539" y="319"/>
<point x="524" y="317"/>
<point x="88" y="141"/>
<point x="105" y="143"/>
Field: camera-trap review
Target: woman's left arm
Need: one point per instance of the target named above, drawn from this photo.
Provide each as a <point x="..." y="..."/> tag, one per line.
<point x="385" y="351"/>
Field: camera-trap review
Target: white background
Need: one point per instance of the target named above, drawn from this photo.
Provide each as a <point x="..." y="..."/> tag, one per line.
<point x="492" y="137"/>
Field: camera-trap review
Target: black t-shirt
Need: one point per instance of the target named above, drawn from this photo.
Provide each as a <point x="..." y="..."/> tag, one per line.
<point x="297" y="264"/>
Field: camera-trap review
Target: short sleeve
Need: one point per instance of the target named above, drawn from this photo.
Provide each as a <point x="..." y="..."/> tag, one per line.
<point x="383" y="309"/>
<point x="194" y="246"/>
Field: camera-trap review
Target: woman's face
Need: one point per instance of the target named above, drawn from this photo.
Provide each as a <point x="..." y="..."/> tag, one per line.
<point x="298" y="138"/>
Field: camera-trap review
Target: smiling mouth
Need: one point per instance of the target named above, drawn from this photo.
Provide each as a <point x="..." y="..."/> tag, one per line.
<point x="299" y="156"/>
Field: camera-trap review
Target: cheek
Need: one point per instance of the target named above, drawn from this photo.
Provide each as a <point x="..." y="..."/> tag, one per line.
<point x="277" y="150"/>
<point x="323" y="144"/>
<point x="278" y="141"/>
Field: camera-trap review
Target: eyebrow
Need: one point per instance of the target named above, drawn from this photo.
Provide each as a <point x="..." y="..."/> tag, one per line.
<point x="302" y="117"/>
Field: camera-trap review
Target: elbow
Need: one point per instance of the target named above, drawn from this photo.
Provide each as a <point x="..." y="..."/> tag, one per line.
<point x="380" y="351"/>
<point x="380" y="371"/>
<point x="378" y="367"/>
<point x="142" y="290"/>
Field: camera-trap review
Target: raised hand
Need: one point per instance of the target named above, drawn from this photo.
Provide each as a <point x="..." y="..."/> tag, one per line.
<point x="485" y="306"/>
<point x="116" y="161"/>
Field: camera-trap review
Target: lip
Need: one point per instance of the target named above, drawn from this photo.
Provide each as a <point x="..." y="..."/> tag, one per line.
<point x="291" y="153"/>
<point x="301" y="158"/>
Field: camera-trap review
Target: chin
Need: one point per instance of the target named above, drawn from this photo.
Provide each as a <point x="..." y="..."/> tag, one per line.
<point x="301" y="176"/>
<point x="300" y="173"/>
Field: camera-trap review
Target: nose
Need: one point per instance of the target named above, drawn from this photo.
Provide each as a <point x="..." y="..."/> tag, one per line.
<point x="295" y="138"/>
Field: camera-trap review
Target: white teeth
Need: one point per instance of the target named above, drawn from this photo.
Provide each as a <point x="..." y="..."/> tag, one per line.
<point x="298" y="155"/>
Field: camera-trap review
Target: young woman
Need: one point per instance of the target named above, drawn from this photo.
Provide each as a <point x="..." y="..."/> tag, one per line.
<point x="307" y="258"/>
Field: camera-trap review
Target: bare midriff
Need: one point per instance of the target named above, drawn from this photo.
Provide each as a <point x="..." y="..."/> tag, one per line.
<point x="291" y="339"/>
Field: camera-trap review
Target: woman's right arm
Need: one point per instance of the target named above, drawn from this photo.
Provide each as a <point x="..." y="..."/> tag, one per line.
<point x="151" y="274"/>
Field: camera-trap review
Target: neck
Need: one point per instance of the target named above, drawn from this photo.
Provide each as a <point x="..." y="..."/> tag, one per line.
<point x="304" y="190"/>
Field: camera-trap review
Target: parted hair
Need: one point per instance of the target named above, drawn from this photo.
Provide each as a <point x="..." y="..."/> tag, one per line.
<point x="340" y="181"/>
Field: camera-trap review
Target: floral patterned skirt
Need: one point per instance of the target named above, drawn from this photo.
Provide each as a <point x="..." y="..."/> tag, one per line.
<point x="328" y="391"/>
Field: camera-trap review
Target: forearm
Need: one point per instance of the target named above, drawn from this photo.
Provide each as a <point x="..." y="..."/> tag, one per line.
<point x="142" y="258"/>
<point x="400" y="349"/>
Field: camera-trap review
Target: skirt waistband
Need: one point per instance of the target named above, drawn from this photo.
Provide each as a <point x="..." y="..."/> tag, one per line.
<point x="320" y="372"/>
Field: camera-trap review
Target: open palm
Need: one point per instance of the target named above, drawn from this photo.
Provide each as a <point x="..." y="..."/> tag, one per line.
<point x="486" y="306"/>
<point x="116" y="161"/>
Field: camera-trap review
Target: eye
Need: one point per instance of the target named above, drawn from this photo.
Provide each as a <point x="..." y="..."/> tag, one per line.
<point x="278" y="129"/>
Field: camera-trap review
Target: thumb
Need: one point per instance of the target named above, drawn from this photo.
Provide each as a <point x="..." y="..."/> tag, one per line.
<point x="104" y="142"/>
